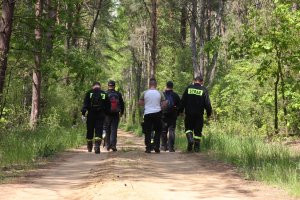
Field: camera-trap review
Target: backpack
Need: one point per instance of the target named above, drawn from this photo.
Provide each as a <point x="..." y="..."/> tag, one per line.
<point x="96" y="101"/>
<point x="170" y="102"/>
<point x="114" y="102"/>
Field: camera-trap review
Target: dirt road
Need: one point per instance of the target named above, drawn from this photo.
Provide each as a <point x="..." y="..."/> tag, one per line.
<point x="131" y="174"/>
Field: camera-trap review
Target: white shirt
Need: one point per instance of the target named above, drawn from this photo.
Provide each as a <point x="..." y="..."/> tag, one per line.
<point x="152" y="99"/>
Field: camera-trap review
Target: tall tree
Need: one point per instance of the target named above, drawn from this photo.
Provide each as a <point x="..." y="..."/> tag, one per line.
<point x="154" y="38"/>
<point x="193" y="37"/>
<point x="6" y="24"/>
<point x="37" y="75"/>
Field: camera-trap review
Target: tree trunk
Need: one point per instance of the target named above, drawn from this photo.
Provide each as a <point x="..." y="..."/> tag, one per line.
<point x="213" y="63"/>
<point x="202" y="37"/>
<point x="154" y="38"/>
<point x="282" y="87"/>
<point x="183" y="20"/>
<point x="276" y="103"/>
<point x="37" y="76"/>
<point x="51" y="15"/>
<point x="6" y="23"/>
<point x="193" y="38"/>
<point x="93" y="25"/>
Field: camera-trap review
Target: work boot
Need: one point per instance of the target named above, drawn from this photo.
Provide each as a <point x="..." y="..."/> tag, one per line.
<point x="89" y="146"/>
<point x="197" y="146"/>
<point x="190" y="139"/>
<point x="189" y="147"/>
<point x="97" y="146"/>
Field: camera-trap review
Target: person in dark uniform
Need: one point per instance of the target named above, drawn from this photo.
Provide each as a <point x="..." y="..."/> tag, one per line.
<point x="96" y="104"/>
<point x="195" y="100"/>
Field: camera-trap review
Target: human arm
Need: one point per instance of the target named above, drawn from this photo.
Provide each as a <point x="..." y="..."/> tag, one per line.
<point x="86" y="104"/>
<point x="207" y="104"/>
<point x="183" y="101"/>
<point x="122" y="104"/>
<point x="142" y="100"/>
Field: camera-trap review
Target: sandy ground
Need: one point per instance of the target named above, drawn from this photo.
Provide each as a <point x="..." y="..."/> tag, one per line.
<point x="132" y="174"/>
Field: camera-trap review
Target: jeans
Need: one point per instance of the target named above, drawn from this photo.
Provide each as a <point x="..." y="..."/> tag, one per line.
<point x="111" y="127"/>
<point x="169" y="125"/>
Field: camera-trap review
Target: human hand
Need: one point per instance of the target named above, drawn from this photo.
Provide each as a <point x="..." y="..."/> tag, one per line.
<point x="83" y="118"/>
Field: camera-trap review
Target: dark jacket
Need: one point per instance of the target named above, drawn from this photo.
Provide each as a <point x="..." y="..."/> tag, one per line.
<point x="174" y="113"/>
<point x="194" y="100"/>
<point x="87" y="104"/>
<point x="121" y="101"/>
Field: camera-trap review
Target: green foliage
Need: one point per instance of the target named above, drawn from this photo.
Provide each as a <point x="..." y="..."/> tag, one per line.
<point x="22" y="148"/>
<point x="272" y="163"/>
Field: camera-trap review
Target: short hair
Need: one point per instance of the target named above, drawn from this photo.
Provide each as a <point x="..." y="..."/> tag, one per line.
<point x="96" y="84"/>
<point x="170" y="84"/>
<point x="198" y="78"/>
<point x="111" y="83"/>
<point x="152" y="82"/>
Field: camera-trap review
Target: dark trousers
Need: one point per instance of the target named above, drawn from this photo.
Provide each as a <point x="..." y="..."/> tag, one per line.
<point x="194" y="123"/>
<point x="94" y="124"/>
<point x="169" y="125"/>
<point x="111" y="127"/>
<point x="152" y="120"/>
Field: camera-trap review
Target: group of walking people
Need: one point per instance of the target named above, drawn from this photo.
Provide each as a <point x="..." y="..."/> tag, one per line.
<point x="161" y="110"/>
<point x="103" y="110"/>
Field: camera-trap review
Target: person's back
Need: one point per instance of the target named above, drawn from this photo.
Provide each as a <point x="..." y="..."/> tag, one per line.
<point x="113" y="117"/>
<point x="195" y="100"/>
<point x="169" y="117"/>
<point x="95" y="104"/>
<point x="152" y="99"/>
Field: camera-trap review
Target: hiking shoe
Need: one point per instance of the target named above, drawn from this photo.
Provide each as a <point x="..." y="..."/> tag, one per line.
<point x="97" y="150"/>
<point x="172" y="150"/>
<point x="189" y="148"/>
<point x="114" y="149"/>
<point x="157" y="150"/>
<point x="148" y="151"/>
<point x="90" y="146"/>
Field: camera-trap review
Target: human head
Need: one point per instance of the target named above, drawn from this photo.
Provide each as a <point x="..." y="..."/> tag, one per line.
<point x="152" y="82"/>
<point x="198" y="79"/>
<point x="169" y="85"/>
<point x="111" y="84"/>
<point x="96" y="85"/>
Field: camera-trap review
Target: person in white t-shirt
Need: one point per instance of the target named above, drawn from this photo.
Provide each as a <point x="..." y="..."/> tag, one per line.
<point x="153" y="101"/>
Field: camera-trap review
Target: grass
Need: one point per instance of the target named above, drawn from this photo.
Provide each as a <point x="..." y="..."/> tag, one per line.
<point x="21" y="149"/>
<point x="272" y="163"/>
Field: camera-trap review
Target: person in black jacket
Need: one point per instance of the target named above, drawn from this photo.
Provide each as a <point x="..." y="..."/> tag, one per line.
<point x="96" y="104"/>
<point x="113" y="117"/>
<point x="195" y="100"/>
<point x="169" y="118"/>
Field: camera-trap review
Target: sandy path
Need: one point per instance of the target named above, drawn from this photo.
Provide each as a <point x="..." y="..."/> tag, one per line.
<point x="131" y="174"/>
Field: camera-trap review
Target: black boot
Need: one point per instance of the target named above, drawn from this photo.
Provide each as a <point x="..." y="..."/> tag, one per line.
<point x="197" y="146"/>
<point x="89" y="146"/>
<point x="190" y="139"/>
<point x="97" y="146"/>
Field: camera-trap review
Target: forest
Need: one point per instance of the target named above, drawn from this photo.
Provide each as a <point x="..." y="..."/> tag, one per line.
<point x="51" y="51"/>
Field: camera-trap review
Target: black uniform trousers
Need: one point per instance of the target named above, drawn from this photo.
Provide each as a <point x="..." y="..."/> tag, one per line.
<point x="94" y="122"/>
<point x="194" y="123"/>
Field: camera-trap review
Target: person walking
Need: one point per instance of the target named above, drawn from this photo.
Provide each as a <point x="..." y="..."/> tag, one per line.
<point x="113" y="117"/>
<point x="153" y="101"/>
<point x="95" y="105"/>
<point x="170" y="113"/>
<point x="195" y="100"/>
